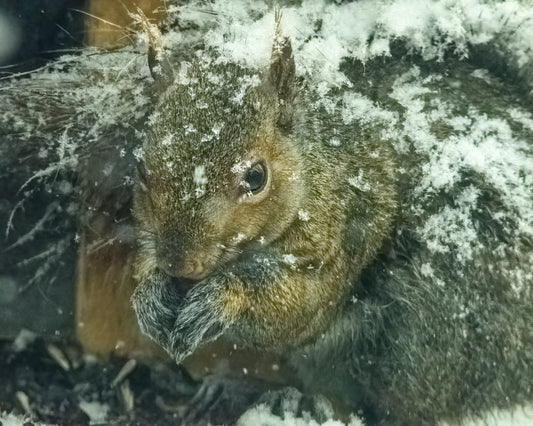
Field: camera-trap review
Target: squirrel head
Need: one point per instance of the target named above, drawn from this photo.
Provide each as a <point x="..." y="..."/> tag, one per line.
<point x="231" y="170"/>
<point x="218" y="170"/>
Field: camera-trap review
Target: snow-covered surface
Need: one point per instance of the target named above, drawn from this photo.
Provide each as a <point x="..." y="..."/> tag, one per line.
<point x="9" y="419"/>
<point x="96" y="411"/>
<point x="362" y="30"/>
<point x="261" y="416"/>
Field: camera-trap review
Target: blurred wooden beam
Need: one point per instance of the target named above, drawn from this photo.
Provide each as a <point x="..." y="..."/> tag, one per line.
<point x="107" y="20"/>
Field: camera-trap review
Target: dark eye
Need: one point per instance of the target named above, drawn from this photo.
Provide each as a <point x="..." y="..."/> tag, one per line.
<point x="255" y="178"/>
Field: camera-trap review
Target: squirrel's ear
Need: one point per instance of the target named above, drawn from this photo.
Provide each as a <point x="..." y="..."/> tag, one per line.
<point x="281" y="74"/>
<point x="158" y="62"/>
<point x="159" y="65"/>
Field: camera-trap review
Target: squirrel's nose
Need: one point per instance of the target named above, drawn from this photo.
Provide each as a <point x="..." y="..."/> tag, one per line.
<point x="191" y="269"/>
<point x="176" y="260"/>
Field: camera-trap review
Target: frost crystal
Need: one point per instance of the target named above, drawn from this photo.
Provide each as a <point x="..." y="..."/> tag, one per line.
<point x="303" y="215"/>
<point x="200" y="179"/>
<point x="290" y="260"/>
<point x="241" y="166"/>
<point x="359" y="183"/>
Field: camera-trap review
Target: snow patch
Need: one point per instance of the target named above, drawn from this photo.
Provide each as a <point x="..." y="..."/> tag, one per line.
<point x="200" y="180"/>
<point x="304" y="215"/>
<point x="261" y="415"/>
<point x="359" y="182"/>
<point x="96" y="411"/>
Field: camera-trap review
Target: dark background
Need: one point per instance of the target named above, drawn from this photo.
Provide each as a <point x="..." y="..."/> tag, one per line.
<point x="33" y="33"/>
<point x="38" y="31"/>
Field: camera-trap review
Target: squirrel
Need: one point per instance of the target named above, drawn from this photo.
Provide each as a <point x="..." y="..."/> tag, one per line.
<point x="267" y="214"/>
<point x="355" y="230"/>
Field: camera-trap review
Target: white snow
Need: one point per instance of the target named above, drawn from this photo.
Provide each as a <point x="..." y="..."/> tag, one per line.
<point x="362" y="30"/>
<point x="259" y="416"/>
<point x="303" y="215"/>
<point x="262" y="416"/>
<point x="359" y="182"/>
<point x="10" y="419"/>
<point x="241" y="166"/>
<point x="480" y="144"/>
<point x="290" y="260"/>
<point x="200" y="180"/>
<point x="96" y="411"/>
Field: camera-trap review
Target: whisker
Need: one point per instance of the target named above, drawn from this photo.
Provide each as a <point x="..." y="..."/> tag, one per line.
<point x="97" y="17"/>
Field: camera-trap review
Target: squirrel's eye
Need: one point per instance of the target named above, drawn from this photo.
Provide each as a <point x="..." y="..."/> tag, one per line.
<point x="255" y="178"/>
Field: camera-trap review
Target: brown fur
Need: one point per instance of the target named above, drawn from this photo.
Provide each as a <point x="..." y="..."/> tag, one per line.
<point x="267" y="276"/>
<point x="105" y="321"/>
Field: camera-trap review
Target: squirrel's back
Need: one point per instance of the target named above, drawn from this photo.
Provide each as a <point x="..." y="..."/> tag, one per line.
<point x="438" y="325"/>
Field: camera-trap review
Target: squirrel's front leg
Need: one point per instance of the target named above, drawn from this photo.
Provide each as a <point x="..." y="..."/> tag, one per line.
<point x="261" y="300"/>
<point x="182" y="319"/>
<point x="201" y="318"/>
<point x="156" y="302"/>
<point x="177" y="319"/>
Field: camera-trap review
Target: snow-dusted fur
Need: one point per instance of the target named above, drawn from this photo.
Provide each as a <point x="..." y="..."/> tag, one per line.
<point x="437" y="327"/>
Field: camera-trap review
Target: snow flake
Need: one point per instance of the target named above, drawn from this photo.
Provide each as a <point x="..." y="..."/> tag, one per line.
<point x="238" y="238"/>
<point x="426" y="270"/>
<point x="290" y="260"/>
<point x="359" y="182"/>
<point x="241" y="166"/>
<point x="138" y="153"/>
<point x="303" y="215"/>
<point x="200" y="179"/>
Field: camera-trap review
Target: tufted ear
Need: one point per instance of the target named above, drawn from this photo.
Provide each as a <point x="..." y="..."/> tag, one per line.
<point x="281" y="74"/>
<point x="159" y="65"/>
<point x="158" y="62"/>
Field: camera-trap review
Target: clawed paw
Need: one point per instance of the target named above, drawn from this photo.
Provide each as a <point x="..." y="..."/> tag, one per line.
<point x="178" y="320"/>
<point x="222" y="400"/>
<point x="197" y="323"/>
<point x="155" y="305"/>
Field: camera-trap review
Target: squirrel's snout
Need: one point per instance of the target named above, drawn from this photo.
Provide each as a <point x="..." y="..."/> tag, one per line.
<point x="191" y="269"/>
<point x="178" y="262"/>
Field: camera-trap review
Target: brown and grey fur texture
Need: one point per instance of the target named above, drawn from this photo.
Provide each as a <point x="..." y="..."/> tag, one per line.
<point x="339" y="262"/>
<point x="260" y="269"/>
<point x="326" y="263"/>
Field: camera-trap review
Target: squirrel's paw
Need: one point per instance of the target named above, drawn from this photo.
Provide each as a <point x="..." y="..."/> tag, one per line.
<point x="197" y="323"/>
<point x="222" y="400"/>
<point x="155" y="303"/>
<point x="289" y="402"/>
